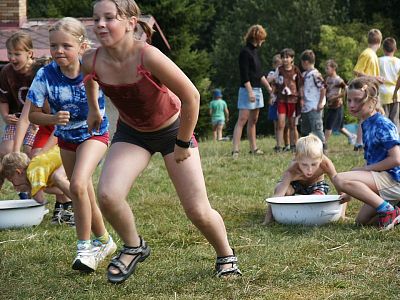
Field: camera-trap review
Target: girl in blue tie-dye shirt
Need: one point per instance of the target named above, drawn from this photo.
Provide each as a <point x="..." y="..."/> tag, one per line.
<point x="61" y="83"/>
<point x="377" y="183"/>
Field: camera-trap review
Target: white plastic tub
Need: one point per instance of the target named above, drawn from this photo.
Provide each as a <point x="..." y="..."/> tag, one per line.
<point x="21" y="213"/>
<point x="306" y="209"/>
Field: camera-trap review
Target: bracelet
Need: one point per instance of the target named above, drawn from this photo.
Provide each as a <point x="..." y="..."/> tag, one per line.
<point x="182" y="144"/>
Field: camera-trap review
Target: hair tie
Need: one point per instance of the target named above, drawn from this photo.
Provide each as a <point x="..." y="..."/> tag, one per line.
<point x="364" y="87"/>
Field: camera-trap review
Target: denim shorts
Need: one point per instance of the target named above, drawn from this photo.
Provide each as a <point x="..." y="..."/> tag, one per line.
<point x="243" y="99"/>
<point x="162" y="140"/>
<point x="218" y="122"/>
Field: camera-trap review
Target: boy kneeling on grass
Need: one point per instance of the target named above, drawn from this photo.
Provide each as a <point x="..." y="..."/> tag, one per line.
<point x="305" y="174"/>
<point x="42" y="174"/>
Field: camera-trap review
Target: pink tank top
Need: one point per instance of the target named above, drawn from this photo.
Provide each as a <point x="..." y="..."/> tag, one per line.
<point x="143" y="105"/>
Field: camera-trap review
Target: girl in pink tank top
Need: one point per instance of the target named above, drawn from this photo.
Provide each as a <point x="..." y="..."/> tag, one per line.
<point x="147" y="89"/>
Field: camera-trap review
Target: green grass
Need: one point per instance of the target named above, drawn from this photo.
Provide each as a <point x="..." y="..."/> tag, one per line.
<point x="336" y="261"/>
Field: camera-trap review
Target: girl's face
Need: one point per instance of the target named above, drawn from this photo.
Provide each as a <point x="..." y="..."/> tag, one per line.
<point x="309" y="166"/>
<point x="287" y="60"/>
<point x="356" y="105"/>
<point x="64" y="48"/>
<point x="20" y="60"/>
<point x="109" y="27"/>
<point x="329" y="70"/>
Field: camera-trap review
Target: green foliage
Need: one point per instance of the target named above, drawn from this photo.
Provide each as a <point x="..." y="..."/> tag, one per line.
<point x="289" y="24"/>
<point x="59" y="8"/>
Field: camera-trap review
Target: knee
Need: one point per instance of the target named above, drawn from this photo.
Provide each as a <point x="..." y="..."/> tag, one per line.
<point x="197" y="216"/>
<point x="106" y="198"/>
<point x="78" y="188"/>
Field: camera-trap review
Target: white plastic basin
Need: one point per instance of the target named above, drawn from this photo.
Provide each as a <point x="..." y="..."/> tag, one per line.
<point x="21" y="213"/>
<point x="306" y="209"/>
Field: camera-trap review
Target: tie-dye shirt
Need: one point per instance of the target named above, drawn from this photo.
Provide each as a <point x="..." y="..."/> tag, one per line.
<point x="379" y="136"/>
<point x="66" y="94"/>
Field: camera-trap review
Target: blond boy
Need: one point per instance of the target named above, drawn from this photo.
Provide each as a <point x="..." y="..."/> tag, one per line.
<point x="44" y="173"/>
<point x="305" y="174"/>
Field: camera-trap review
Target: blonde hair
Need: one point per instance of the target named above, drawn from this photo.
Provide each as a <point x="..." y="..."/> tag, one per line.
<point x="13" y="161"/>
<point x="374" y="36"/>
<point x="256" y="33"/>
<point x="276" y="60"/>
<point x="20" y="40"/>
<point x="309" y="146"/>
<point x="129" y="8"/>
<point x="367" y="84"/>
<point x="73" y="27"/>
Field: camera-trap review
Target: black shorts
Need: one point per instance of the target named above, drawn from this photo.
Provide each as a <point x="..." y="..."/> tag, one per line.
<point x="320" y="186"/>
<point x="334" y="118"/>
<point x="162" y="141"/>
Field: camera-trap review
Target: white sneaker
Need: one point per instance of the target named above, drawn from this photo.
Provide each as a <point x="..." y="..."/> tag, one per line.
<point x="85" y="259"/>
<point x="352" y="139"/>
<point x="104" y="250"/>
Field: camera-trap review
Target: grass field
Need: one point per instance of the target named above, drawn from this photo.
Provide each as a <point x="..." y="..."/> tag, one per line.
<point x="337" y="261"/>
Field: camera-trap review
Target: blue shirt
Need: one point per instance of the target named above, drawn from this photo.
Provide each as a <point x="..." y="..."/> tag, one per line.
<point x="66" y="94"/>
<point x="379" y="136"/>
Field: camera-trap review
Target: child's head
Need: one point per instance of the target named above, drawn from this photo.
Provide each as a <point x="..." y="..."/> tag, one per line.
<point x="307" y="59"/>
<point x="362" y="96"/>
<point x="309" y="153"/>
<point x="330" y="67"/>
<point x="287" y="57"/>
<point x="374" y="37"/>
<point x="389" y="45"/>
<point x="255" y="35"/>
<point x="20" y="50"/>
<point x="276" y="61"/>
<point x="68" y="40"/>
<point x="217" y="94"/>
<point x="124" y="10"/>
<point x="14" y="167"/>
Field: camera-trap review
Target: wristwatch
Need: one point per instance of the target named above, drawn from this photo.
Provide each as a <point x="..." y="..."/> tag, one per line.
<point x="182" y="144"/>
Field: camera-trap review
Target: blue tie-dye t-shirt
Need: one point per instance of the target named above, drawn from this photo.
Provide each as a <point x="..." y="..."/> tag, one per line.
<point x="66" y="94"/>
<point x="379" y="136"/>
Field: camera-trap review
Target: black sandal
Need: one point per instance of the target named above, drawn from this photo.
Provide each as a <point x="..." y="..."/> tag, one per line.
<point x="224" y="260"/>
<point x="141" y="253"/>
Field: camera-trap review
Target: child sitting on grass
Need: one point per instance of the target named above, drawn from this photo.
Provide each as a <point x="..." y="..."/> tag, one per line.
<point x="305" y="174"/>
<point x="43" y="173"/>
<point x="377" y="183"/>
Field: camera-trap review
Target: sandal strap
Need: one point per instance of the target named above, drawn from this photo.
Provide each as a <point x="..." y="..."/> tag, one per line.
<point x="226" y="260"/>
<point x="229" y="271"/>
<point x="115" y="262"/>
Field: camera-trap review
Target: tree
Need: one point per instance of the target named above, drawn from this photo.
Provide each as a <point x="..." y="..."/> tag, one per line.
<point x="290" y="24"/>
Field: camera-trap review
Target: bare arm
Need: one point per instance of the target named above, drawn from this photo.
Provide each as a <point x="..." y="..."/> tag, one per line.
<point x="396" y="89"/>
<point x="94" y="118"/>
<point x="322" y="93"/>
<point x="37" y="116"/>
<point x="283" y="185"/>
<point x="175" y="80"/>
<point x="265" y="82"/>
<point x="5" y="114"/>
<point x="22" y="126"/>
<point x="392" y="160"/>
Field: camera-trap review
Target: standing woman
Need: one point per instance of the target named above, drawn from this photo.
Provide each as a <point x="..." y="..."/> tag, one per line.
<point x="250" y="98"/>
<point x="158" y="107"/>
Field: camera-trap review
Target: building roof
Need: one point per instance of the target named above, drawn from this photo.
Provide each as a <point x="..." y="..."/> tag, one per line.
<point x="39" y="31"/>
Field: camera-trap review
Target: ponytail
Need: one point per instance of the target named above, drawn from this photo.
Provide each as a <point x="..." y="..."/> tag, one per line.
<point x="147" y="30"/>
